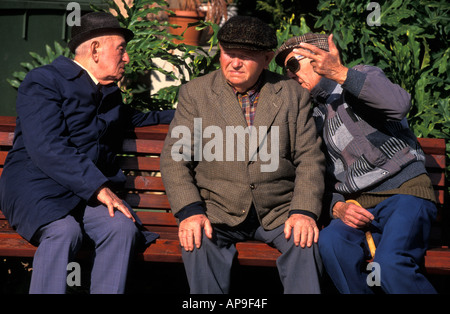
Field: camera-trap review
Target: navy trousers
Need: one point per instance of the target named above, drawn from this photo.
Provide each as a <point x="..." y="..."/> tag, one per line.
<point x="400" y="230"/>
<point x="208" y="268"/>
<point x="114" y="239"/>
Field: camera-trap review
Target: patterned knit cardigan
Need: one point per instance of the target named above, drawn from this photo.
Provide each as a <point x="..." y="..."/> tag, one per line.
<point x="369" y="146"/>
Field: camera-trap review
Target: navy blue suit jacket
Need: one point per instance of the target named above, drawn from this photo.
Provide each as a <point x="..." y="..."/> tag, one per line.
<point x="67" y="135"/>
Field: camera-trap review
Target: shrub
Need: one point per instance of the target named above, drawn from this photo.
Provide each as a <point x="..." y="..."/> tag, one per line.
<point x="152" y="40"/>
<point x="410" y="44"/>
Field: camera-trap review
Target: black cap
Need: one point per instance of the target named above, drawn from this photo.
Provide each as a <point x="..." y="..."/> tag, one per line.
<point x="96" y="24"/>
<point x="246" y="32"/>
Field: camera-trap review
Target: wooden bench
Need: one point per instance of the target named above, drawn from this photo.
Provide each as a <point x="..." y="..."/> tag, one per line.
<point x="145" y="193"/>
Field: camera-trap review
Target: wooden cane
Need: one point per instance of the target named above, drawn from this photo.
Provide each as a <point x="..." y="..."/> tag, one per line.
<point x="369" y="237"/>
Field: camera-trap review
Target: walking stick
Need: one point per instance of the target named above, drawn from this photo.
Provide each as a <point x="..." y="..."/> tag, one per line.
<point x="369" y="237"/>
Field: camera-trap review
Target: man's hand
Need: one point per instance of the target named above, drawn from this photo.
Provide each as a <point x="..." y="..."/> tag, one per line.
<point x="191" y="229"/>
<point x="324" y="63"/>
<point x="305" y="230"/>
<point x="352" y="215"/>
<point x="111" y="200"/>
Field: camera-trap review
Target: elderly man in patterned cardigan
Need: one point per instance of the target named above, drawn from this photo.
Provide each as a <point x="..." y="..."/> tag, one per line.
<point x="373" y="160"/>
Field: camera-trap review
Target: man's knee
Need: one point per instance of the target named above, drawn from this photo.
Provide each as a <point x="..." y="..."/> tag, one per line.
<point x="328" y="239"/>
<point x="66" y="229"/>
<point x="121" y="226"/>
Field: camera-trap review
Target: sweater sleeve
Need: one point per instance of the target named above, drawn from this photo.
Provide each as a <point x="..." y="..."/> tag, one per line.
<point x="376" y="92"/>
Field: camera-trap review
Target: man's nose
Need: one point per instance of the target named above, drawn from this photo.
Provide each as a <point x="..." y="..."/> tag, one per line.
<point x="126" y="58"/>
<point x="236" y="62"/>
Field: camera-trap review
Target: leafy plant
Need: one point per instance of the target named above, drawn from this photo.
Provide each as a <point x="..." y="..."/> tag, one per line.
<point x="38" y="61"/>
<point x="278" y="10"/>
<point x="152" y="41"/>
<point x="286" y="30"/>
<point x="410" y="44"/>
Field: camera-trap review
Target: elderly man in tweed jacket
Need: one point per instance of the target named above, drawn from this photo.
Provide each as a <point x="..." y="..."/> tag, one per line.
<point x="242" y="160"/>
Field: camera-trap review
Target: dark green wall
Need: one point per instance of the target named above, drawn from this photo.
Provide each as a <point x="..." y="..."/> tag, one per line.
<point x="28" y="26"/>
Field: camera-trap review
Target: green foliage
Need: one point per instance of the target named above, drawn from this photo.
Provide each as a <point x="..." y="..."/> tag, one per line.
<point x="410" y="44"/>
<point x="287" y="30"/>
<point x="152" y="40"/>
<point x="38" y="61"/>
<point x="278" y="10"/>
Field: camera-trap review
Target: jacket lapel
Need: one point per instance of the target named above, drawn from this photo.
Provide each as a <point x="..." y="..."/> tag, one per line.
<point x="269" y="104"/>
<point x="226" y="102"/>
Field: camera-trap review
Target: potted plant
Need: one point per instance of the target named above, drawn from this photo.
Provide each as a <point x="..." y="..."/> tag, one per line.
<point x="192" y="11"/>
<point x="185" y="12"/>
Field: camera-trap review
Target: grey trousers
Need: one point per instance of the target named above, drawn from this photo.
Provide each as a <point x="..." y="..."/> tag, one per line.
<point x="59" y="241"/>
<point x="208" y="269"/>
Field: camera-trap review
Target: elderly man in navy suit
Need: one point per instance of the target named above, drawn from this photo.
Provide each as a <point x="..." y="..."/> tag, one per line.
<point x="58" y="180"/>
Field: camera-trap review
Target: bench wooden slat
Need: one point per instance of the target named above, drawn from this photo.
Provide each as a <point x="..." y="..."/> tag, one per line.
<point x="149" y="201"/>
<point x="7" y="123"/>
<point x="12" y="244"/>
<point x="432" y="145"/>
<point x="157" y="218"/>
<point x="163" y="250"/>
<point x="152" y="132"/>
<point x="139" y="163"/>
<point x="3" y="155"/>
<point x="144" y="183"/>
<point x="142" y="146"/>
<point x="437" y="261"/>
<point x="6" y="139"/>
<point x="257" y="253"/>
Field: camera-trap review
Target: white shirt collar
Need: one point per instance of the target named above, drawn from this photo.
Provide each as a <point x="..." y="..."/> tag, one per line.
<point x="90" y="74"/>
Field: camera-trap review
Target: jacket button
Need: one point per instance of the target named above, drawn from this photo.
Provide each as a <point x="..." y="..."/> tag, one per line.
<point x="252" y="186"/>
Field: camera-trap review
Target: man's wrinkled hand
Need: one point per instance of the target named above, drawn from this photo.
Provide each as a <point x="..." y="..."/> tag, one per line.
<point x="112" y="202"/>
<point x="325" y="63"/>
<point x="191" y="229"/>
<point x="352" y="215"/>
<point x="303" y="229"/>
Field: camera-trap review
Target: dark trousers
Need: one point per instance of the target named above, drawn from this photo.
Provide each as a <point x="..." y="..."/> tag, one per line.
<point x="114" y="239"/>
<point x="208" y="268"/>
<point x="400" y="230"/>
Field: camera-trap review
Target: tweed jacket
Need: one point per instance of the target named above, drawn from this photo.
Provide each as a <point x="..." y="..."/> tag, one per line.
<point x="201" y="162"/>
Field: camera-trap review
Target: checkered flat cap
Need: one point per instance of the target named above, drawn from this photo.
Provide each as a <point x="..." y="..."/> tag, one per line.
<point x="318" y="40"/>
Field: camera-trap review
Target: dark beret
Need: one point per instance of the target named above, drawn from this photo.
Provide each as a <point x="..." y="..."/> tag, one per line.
<point x="318" y="40"/>
<point x="246" y="32"/>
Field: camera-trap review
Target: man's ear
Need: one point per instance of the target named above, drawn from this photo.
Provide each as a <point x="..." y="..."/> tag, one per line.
<point x="94" y="48"/>
<point x="269" y="56"/>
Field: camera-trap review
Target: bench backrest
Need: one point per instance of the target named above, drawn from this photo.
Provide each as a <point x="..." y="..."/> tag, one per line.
<point x="140" y="161"/>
